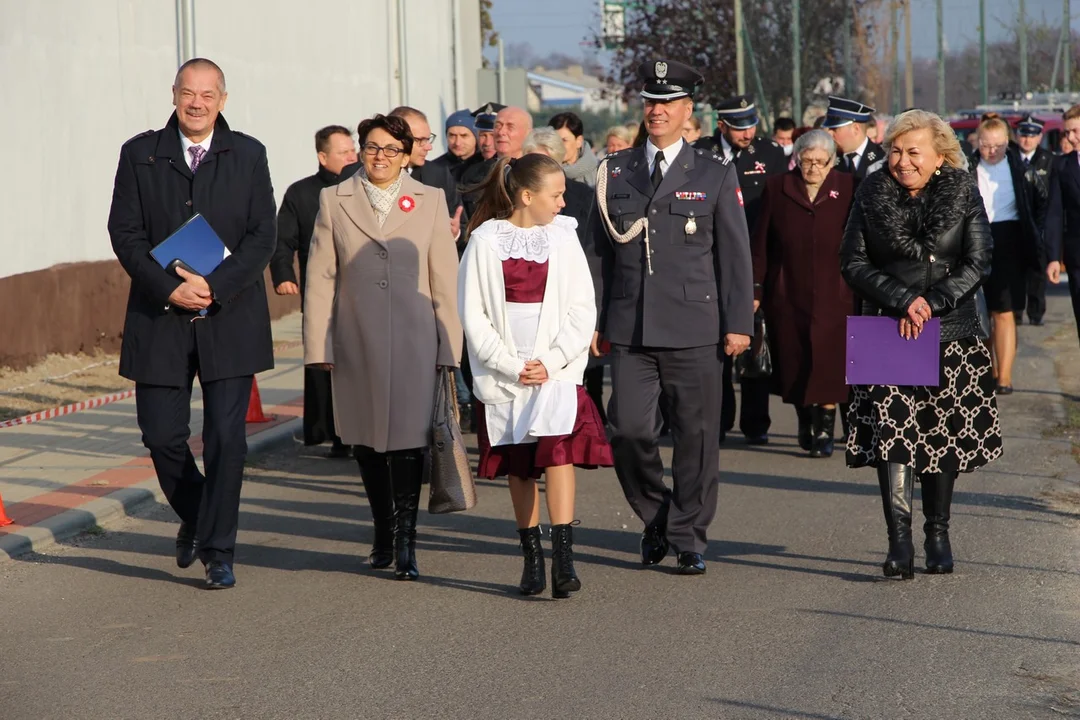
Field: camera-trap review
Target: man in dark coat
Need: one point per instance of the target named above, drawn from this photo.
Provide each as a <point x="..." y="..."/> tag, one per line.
<point x="461" y="153"/>
<point x="675" y="294"/>
<point x="755" y="159"/>
<point x="849" y="121"/>
<point x="1038" y="163"/>
<point x="216" y="327"/>
<point x="1062" y="237"/>
<point x="335" y="149"/>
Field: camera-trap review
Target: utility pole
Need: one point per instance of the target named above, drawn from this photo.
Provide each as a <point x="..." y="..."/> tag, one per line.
<point x="740" y="64"/>
<point x="895" y="56"/>
<point x="941" y="57"/>
<point x="909" y="71"/>
<point x="985" y="85"/>
<point x="1066" y="46"/>
<point x="1022" y="31"/>
<point x="849" y="81"/>
<point x="796" y="66"/>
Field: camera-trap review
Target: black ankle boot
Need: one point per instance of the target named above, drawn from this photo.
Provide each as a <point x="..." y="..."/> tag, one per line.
<point x="805" y="418"/>
<point x="406" y="476"/>
<point x="375" y="474"/>
<point x="563" y="578"/>
<point x="937" y="491"/>
<point x="824" y="432"/>
<point x="897" y="485"/>
<point x="533" y="581"/>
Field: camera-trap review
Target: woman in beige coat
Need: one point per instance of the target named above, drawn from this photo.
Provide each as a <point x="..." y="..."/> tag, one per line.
<point x="380" y="311"/>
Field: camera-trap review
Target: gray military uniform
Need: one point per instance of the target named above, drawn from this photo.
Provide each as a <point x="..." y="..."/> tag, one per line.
<point x="667" y="328"/>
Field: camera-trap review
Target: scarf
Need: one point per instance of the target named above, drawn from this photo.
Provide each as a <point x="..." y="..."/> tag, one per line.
<point x="382" y="201"/>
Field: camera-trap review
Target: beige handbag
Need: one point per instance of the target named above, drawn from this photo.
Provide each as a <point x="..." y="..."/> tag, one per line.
<point x="449" y="470"/>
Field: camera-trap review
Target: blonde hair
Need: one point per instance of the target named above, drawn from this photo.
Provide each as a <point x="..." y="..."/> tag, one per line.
<point x="1072" y="113"/>
<point x="622" y="132"/>
<point x="943" y="136"/>
<point x="993" y="121"/>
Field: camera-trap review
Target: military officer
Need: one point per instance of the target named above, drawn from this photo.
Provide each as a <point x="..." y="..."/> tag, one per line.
<point x="1038" y="162"/>
<point x="755" y="159"/>
<point x="847" y="121"/>
<point x="675" y="294"/>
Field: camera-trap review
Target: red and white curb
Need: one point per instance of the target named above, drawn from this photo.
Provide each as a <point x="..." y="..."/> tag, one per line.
<point x="68" y="409"/>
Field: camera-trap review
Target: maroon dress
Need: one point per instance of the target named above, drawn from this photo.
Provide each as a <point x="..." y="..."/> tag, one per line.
<point x="585" y="447"/>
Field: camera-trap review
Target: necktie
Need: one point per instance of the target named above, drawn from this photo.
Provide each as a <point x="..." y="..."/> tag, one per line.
<point x="196" y="152"/>
<point x="657" y="174"/>
<point x="1027" y="162"/>
<point x="851" y="158"/>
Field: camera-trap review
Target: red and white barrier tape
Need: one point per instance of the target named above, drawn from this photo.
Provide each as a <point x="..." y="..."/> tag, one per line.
<point x="68" y="409"/>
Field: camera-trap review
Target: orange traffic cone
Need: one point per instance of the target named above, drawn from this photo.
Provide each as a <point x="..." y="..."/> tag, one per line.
<point x="255" y="410"/>
<point x="4" y="519"/>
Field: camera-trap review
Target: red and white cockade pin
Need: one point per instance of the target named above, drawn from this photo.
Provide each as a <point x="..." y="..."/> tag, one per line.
<point x="406" y="203"/>
<point x="834" y="194"/>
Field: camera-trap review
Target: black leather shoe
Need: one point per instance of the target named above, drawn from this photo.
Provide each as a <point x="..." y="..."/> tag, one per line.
<point x="338" y="451"/>
<point x="1037" y="322"/>
<point x="1004" y="389"/>
<point x="533" y="578"/>
<point x="691" y="563"/>
<point x="564" y="579"/>
<point x="185" y="545"/>
<point x="762" y="439"/>
<point x="723" y="437"/>
<point x="654" y="545"/>
<point x="219" y="575"/>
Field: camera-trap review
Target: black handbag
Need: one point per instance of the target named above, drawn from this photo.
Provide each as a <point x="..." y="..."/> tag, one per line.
<point x="756" y="362"/>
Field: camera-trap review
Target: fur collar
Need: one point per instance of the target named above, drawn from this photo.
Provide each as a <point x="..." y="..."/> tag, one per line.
<point x="912" y="225"/>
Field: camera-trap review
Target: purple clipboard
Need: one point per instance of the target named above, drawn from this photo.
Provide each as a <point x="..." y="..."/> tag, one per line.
<point x="878" y="355"/>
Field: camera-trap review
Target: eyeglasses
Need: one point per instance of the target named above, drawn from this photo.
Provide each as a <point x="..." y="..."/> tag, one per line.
<point x="992" y="148"/>
<point x="429" y="139"/>
<point x="390" y="152"/>
<point x="811" y="164"/>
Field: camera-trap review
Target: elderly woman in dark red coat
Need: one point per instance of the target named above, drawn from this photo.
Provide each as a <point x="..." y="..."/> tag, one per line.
<point x="797" y="279"/>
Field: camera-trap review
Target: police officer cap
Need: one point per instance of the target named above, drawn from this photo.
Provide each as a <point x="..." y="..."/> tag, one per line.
<point x="738" y="113"/>
<point x="844" y="112"/>
<point x="485" y="116"/>
<point x="668" y="80"/>
<point x="1029" y="125"/>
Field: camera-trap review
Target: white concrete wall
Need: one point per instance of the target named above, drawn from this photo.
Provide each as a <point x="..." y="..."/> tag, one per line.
<point x="84" y="76"/>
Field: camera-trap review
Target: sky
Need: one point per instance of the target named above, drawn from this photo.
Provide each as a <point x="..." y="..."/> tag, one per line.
<point x="562" y="25"/>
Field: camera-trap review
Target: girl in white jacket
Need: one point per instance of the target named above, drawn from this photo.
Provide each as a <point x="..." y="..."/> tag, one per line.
<point x="527" y="305"/>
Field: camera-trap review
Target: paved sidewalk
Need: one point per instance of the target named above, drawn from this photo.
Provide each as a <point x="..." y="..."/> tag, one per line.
<point x="60" y="477"/>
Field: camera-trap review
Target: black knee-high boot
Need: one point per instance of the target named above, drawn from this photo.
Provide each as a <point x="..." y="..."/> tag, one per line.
<point x="824" y="432"/>
<point x="937" y="491"/>
<point x="897" y="486"/>
<point x="406" y="476"/>
<point x="533" y="580"/>
<point x="805" y="416"/>
<point x="375" y="474"/>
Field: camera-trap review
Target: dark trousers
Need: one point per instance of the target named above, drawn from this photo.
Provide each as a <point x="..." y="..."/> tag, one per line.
<point x="1074" y="291"/>
<point x="210" y="503"/>
<point x="690" y="380"/>
<point x="594" y="387"/>
<point x="1036" y="294"/>
<point x="319" y="424"/>
<point x="754" y="419"/>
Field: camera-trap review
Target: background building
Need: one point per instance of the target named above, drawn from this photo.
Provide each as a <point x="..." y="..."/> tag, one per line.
<point x="80" y="78"/>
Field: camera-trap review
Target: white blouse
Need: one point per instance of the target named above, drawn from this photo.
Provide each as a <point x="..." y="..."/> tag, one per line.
<point x="998" y="193"/>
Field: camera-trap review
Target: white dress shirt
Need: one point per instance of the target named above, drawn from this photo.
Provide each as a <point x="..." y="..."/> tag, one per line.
<point x="185" y="143"/>
<point x="998" y="193"/>
<point x="670" y="153"/>
<point x="857" y="160"/>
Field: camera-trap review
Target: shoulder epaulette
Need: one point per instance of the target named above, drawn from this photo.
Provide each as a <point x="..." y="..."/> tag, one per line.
<point x="712" y="156"/>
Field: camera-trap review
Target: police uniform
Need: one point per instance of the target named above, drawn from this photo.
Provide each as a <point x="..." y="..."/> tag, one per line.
<point x="1037" y="169"/>
<point x="754" y="165"/>
<point x="867" y="158"/>
<point x="674" y="276"/>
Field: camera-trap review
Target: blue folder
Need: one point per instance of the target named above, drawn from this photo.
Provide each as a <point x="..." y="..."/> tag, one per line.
<point x="194" y="246"/>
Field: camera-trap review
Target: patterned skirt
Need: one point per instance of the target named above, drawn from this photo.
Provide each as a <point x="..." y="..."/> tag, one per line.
<point x="950" y="428"/>
<point x="585" y="447"/>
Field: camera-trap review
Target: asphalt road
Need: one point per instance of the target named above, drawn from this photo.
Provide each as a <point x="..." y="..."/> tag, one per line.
<point x="793" y="620"/>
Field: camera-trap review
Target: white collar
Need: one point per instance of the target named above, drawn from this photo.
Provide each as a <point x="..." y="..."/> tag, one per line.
<point x="726" y="146"/>
<point x="1027" y="156"/>
<point x="862" y="148"/>
<point x="670" y="152"/>
<point x="185" y="142"/>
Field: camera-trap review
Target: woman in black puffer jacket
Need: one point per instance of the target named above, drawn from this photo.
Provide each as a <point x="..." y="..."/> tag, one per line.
<point x="917" y="245"/>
